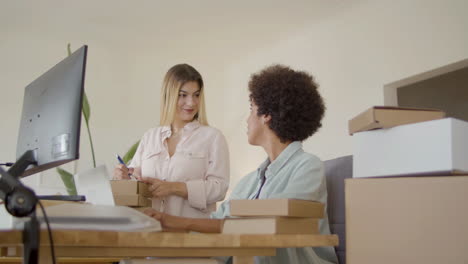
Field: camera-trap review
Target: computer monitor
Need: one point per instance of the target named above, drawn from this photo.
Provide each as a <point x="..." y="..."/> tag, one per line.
<point x="49" y="133"/>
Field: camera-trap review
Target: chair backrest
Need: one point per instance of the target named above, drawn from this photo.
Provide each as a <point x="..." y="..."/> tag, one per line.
<point x="336" y="171"/>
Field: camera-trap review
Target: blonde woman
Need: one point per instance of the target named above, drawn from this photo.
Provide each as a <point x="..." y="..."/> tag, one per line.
<point x="185" y="161"/>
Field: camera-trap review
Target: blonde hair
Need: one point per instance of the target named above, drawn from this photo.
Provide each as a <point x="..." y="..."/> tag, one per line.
<point x="175" y="78"/>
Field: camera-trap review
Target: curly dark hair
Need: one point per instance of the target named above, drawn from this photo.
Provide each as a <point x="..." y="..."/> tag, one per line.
<point x="291" y="99"/>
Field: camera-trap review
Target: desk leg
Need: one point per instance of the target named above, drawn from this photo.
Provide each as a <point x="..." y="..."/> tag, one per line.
<point x="243" y="260"/>
<point x="45" y="255"/>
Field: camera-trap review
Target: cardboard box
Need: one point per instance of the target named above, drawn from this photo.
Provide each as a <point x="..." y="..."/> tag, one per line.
<point x="130" y="187"/>
<point x="427" y="148"/>
<point x="407" y="220"/>
<point x="277" y="207"/>
<point x="387" y="116"/>
<point x="271" y="225"/>
<point x="132" y="200"/>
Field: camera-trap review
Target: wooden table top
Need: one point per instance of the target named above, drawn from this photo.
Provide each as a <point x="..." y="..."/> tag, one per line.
<point x="77" y="238"/>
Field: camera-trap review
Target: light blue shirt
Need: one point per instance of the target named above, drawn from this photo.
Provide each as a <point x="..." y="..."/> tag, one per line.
<point x="293" y="174"/>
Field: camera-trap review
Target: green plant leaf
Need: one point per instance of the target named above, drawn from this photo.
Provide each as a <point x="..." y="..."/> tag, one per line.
<point x="131" y="152"/>
<point x="87" y="115"/>
<point x="68" y="181"/>
<point x="69" y="49"/>
<point x="86" y="108"/>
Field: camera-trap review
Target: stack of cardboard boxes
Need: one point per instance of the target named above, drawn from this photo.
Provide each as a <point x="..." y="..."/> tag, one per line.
<point x="408" y="199"/>
<point x="274" y="216"/>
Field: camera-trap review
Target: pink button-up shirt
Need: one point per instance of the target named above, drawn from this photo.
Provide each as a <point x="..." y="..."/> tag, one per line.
<point x="201" y="160"/>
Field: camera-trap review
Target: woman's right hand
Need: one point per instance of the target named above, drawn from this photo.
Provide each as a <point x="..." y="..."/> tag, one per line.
<point x="122" y="173"/>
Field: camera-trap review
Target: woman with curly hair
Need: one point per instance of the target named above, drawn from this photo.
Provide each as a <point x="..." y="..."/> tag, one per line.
<point x="285" y="109"/>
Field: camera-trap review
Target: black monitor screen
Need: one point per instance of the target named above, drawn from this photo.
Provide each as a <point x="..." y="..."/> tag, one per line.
<point x="51" y="116"/>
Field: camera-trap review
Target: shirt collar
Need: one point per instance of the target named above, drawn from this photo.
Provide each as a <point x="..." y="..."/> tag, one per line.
<point x="263" y="167"/>
<point x="280" y="161"/>
<point x="166" y="130"/>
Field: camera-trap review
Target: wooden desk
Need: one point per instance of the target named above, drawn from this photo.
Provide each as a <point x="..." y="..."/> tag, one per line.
<point x="102" y="244"/>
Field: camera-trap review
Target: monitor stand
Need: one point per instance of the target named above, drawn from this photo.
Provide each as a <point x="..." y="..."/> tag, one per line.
<point x="28" y="158"/>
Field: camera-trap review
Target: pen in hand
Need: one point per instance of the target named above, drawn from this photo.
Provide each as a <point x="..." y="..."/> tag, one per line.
<point x="123" y="163"/>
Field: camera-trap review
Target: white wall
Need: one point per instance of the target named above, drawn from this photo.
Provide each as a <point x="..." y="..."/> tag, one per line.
<point x="352" y="47"/>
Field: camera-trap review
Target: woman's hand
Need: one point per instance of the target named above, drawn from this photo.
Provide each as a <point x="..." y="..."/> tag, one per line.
<point x="183" y="224"/>
<point x="122" y="173"/>
<point x="161" y="189"/>
<point x="168" y="222"/>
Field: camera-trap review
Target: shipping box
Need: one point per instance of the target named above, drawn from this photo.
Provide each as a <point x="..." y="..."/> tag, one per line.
<point x="277" y="207"/>
<point x="426" y="148"/>
<point x="132" y="200"/>
<point x="127" y="187"/>
<point x="407" y="220"/>
<point x="387" y="116"/>
<point x="271" y="225"/>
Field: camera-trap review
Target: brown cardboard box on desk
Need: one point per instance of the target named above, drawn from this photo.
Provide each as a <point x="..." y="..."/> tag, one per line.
<point x="131" y="193"/>
<point x="274" y="216"/>
<point x="277" y="207"/>
<point x="407" y="220"/>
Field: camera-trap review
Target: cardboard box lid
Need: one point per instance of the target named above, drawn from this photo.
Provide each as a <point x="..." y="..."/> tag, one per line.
<point x="388" y="116"/>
